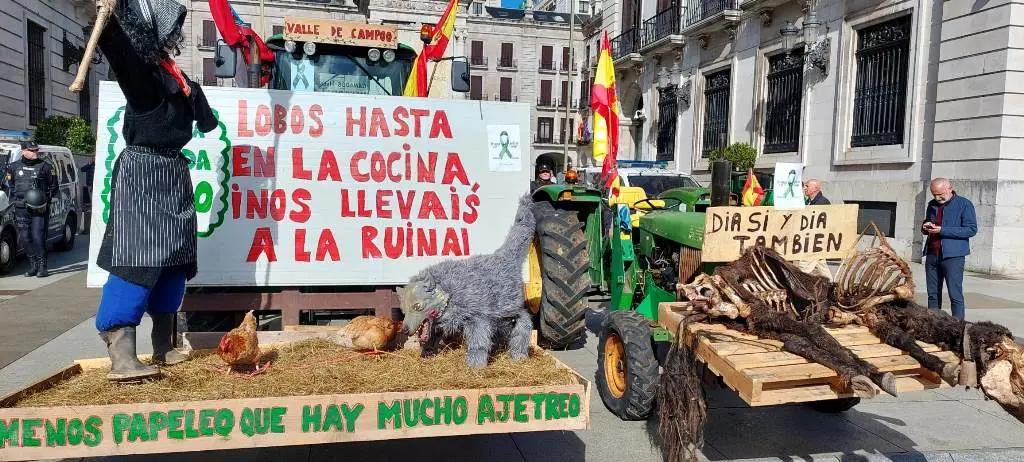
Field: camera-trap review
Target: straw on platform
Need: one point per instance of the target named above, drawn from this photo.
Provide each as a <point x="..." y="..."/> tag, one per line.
<point x="310" y="367"/>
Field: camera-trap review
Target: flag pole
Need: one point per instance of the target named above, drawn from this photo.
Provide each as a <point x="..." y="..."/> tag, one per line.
<point x="572" y="62"/>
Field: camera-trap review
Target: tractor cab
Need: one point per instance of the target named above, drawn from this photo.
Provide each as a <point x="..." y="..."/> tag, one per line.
<point x="323" y="55"/>
<point x="642" y="184"/>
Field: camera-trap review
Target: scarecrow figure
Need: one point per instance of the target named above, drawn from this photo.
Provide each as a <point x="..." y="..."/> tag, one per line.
<point x="149" y="246"/>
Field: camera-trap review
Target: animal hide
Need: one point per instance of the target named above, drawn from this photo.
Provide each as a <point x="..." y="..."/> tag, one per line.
<point x="475" y="298"/>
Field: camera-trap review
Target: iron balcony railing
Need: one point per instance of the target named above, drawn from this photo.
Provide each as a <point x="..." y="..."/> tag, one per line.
<point x="700" y="10"/>
<point x="665" y="23"/>
<point x="478" y="61"/>
<point x="625" y="43"/>
<point x="547" y="65"/>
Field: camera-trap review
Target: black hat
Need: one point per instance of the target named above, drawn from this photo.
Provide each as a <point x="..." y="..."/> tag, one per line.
<point x="30" y="145"/>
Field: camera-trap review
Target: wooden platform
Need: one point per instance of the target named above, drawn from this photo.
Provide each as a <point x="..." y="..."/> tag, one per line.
<point x="764" y="375"/>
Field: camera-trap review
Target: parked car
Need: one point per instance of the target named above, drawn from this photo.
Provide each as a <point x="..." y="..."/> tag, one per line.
<point x="65" y="209"/>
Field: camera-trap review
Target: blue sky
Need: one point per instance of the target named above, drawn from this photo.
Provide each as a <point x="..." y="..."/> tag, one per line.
<point x="511" y="3"/>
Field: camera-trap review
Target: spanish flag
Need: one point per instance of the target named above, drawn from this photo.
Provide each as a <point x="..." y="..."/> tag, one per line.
<point x="753" y="193"/>
<point x="417" y="84"/>
<point x="605" y="106"/>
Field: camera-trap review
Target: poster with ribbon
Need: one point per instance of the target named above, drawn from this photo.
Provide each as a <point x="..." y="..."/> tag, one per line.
<point x="505" y="153"/>
<point x="788" y="186"/>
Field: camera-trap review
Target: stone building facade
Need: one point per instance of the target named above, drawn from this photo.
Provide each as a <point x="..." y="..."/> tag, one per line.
<point x="886" y="96"/>
<point x="40" y="45"/>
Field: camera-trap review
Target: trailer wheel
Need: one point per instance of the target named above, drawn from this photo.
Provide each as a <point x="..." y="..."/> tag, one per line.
<point x="833" y="406"/>
<point x="8" y="251"/>
<point x="565" y="281"/>
<point x="627" y="371"/>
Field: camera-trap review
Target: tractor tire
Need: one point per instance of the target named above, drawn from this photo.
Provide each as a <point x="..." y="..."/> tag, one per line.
<point x="565" y="269"/>
<point x="833" y="406"/>
<point x="627" y="370"/>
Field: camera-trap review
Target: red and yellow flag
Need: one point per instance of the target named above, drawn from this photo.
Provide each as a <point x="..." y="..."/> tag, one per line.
<point x="605" y="106"/>
<point x="753" y="193"/>
<point x="417" y="84"/>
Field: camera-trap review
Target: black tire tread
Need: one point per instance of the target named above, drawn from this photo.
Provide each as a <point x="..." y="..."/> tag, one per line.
<point x="642" y="372"/>
<point x="565" y="268"/>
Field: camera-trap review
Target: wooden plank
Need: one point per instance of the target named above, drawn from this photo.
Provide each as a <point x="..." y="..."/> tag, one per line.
<point x="782" y="358"/>
<point x="44" y="383"/>
<point x="799" y="372"/>
<point x="825" y="392"/>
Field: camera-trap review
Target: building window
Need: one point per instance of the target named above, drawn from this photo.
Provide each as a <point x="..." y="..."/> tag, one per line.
<point x="566" y="59"/>
<point x="278" y="30"/>
<point x="476" y="54"/>
<point x="85" y="101"/>
<point x="476" y="87"/>
<point x="209" y="72"/>
<point x="545" y="129"/>
<point x="547" y="58"/>
<point x="545" y="93"/>
<point x="505" y="92"/>
<point x="478" y="8"/>
<point x="882" y="213"/>
<point x="209" y="34"/>
<point x="716" y="111"/>
<point x="880" y="95"/>
<point x="667" y="111"/>
<point x="785" y="96"/>
<point x="565" y="101"/>
<point x="36" y="73"/>
<point x="584" y="7"/>
<point x="506" y="56"/>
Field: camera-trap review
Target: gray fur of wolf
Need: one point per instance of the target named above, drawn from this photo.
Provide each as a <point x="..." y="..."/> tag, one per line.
<point x="472" y="296"/>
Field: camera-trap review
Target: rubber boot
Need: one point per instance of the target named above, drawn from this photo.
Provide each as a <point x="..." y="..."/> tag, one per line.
<point x="42" y="267"/>
<point x="124" y="361"/>
<point x="34" y="268"/>
<point x="164" y="352"/>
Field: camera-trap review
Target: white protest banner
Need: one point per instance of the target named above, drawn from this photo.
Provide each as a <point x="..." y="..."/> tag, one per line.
<point x="788" y="192"/>
<point x="300" y="188"/>
<point x="812" y="233"/>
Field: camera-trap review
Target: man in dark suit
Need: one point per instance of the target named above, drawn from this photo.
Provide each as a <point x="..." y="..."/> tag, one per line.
<point x="949" y="223"/>
<point x="812" y="191"/>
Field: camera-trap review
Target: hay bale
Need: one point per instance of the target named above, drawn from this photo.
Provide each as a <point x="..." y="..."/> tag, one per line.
<point x="310" y="367"/>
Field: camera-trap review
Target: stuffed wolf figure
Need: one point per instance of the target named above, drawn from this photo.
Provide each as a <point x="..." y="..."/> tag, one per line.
<point x="476" y="297"/>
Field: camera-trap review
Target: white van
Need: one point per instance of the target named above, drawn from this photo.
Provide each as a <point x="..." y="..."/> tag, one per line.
<point x="65" y="209"/>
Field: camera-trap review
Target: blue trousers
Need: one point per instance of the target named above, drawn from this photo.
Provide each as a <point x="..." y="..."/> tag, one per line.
<point x="123" y="303"/>
<point x="950" y="270"/>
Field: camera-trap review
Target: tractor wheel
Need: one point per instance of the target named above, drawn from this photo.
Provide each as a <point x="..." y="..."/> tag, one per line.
<point x="565" y="280"/>
<point x="627" y="371"/>
<point x="833" y="406"/>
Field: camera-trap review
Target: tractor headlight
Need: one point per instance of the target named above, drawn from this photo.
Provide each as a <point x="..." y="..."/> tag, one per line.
<point x="289" y="46"/>
<point x="373" y="55"/>
<point x="309" y="48"/>
<point x="389" y="56"/>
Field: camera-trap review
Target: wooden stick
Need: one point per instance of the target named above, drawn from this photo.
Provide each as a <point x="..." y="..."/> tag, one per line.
<point x="102" y="15"/>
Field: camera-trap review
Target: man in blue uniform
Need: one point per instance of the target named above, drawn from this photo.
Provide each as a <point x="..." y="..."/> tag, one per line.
<point x="30" y="184"/>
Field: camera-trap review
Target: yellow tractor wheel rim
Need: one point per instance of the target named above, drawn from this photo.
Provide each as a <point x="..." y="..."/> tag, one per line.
<point x="534" y="284"/>
<point x="614" y="365"/>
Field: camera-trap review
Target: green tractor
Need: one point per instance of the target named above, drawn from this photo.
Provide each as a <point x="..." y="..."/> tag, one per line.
<point x="649" y="256"/>
<point x="574" y="253"/>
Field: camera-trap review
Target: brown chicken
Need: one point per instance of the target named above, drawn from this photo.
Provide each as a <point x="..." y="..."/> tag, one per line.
<point x="368" y="333"/>
<point x="240" y="346"/>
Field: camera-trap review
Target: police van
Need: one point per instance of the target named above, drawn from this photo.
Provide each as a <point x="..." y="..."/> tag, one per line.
<point x="66" y="215"/>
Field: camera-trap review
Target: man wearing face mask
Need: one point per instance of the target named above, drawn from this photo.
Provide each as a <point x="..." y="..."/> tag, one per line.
<point x="950" y="223"/>
<point x="30" y="184"/>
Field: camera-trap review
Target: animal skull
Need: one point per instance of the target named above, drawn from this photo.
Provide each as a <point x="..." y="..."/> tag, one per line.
<point x="1003" y="380"/>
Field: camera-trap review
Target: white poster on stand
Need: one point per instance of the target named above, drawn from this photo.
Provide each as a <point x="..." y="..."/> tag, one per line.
<point x="788" y="188"/>
<point x="304" y="188"/>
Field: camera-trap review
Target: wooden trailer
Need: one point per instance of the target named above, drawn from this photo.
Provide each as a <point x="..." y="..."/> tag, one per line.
<point x="764" y="375"/>
<point x="30" y="433"/>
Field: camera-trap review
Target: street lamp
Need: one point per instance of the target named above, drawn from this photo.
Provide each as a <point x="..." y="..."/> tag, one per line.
<point x="789" y="34"/>
<point x="811" y="28"/>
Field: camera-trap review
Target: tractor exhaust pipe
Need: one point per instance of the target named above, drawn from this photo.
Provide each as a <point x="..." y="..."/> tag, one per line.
<point x="720" y="179"/>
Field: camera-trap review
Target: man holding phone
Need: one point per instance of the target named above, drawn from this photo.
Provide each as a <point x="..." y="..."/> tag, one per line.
<point x="949" y="224"/>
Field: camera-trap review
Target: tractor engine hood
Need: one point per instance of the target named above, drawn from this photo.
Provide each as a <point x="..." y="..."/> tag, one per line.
<point x="686" y="228"/>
